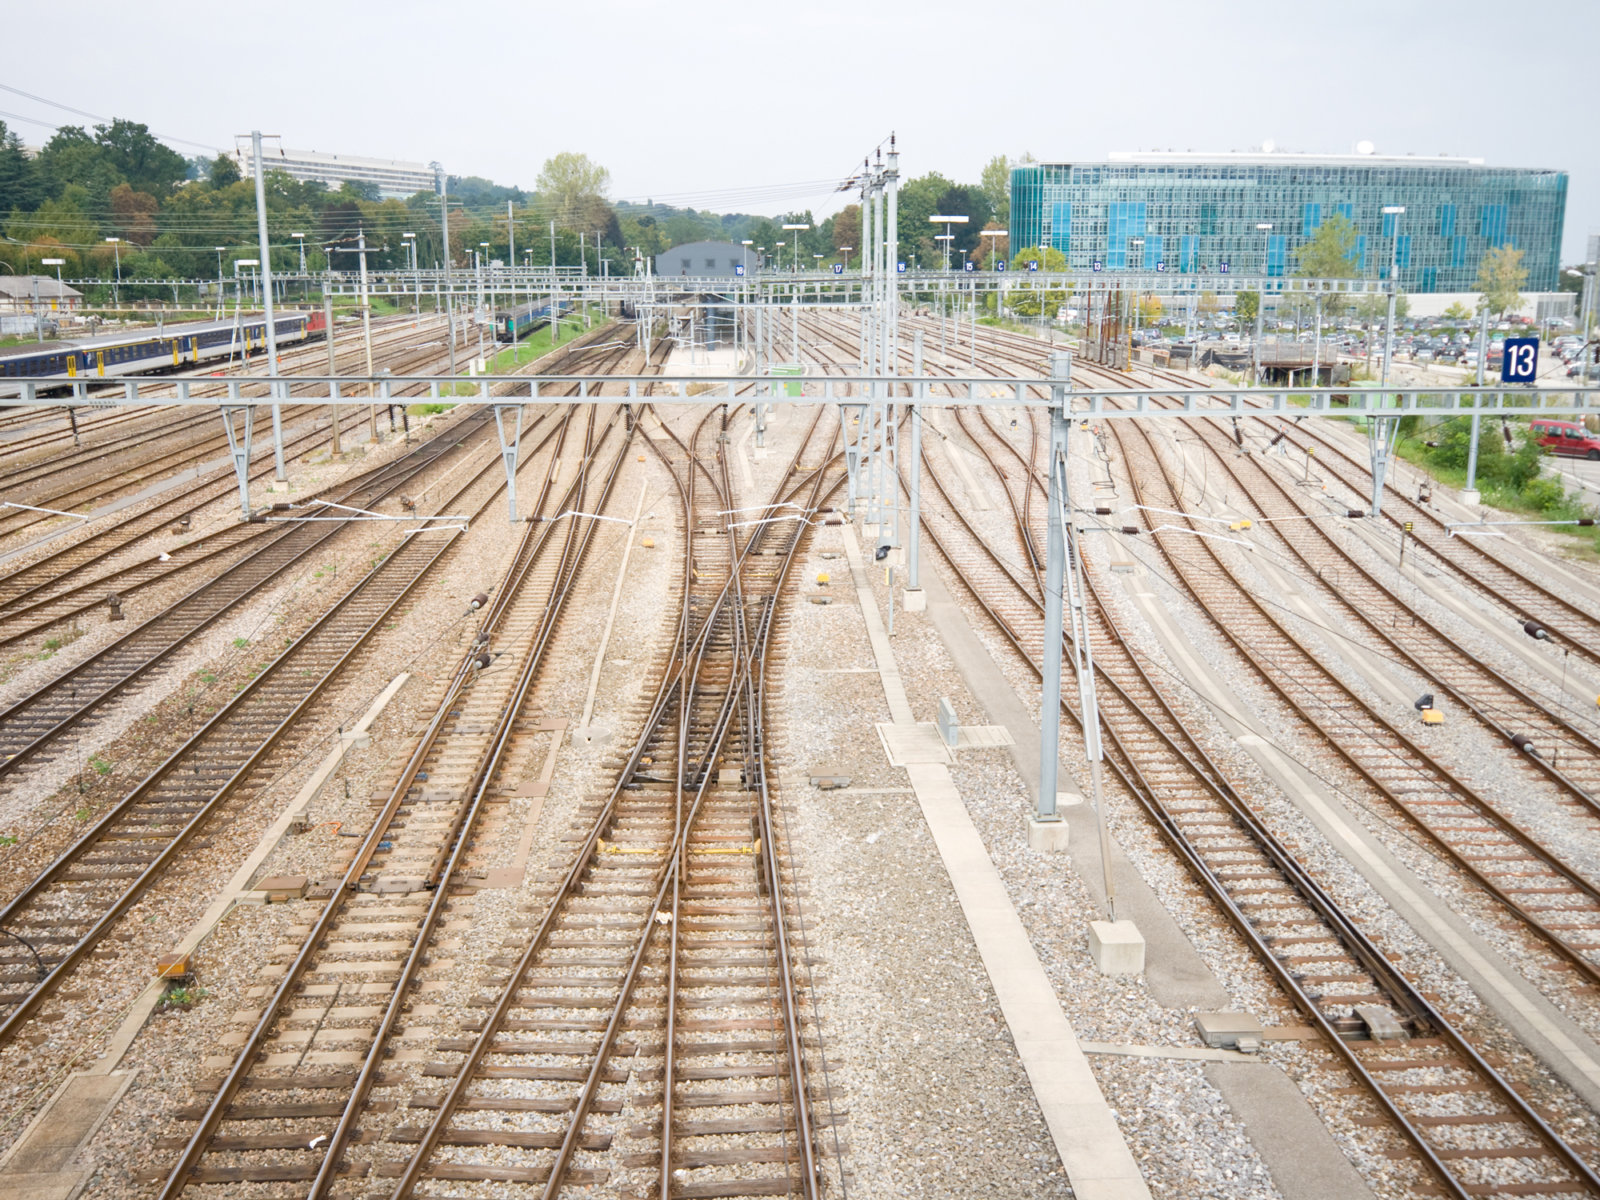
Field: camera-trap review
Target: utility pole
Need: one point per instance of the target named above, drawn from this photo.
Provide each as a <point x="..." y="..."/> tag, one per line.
<point x="914" y="599"/>
<point x="449" y="287"/>
<point x="555" y="299"/>
<point x="333" y="366"/>
<point x="280" y="473"/>
<point x="511" y="235"/>
<point x="366" y="329"/>
<point x="1382" y="431"/>
<point x="1047" y="824"/>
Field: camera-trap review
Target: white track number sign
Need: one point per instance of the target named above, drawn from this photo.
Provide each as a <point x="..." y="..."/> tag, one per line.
<point x="1521" y="362"/>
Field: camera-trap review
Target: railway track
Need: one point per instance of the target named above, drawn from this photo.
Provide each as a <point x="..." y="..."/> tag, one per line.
<point x="72" y="700"/>
<point x="1467" y="1130"/>
<point x="66" y="582"/>
<point x="56" y="921"/>
<point x="671" y="907"/>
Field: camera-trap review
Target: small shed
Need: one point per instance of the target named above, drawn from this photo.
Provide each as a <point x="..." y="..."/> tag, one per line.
<point x="18" y="294"/>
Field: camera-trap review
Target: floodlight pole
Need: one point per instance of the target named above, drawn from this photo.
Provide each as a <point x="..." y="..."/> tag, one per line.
<point x="280" y="472"/>
<point x="1382" y="432"/>
<point x="1055" y="559"/>
<point x="449" y="287"/>
<point x="913" y="554"/>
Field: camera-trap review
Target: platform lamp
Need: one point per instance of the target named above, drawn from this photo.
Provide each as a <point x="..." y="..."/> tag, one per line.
<point x="798" y="229"/>
<point x="947" y="220"/>
<point x="845" y="250"/>
<point x="991" y="234"/>
<point x="57" y="263"/>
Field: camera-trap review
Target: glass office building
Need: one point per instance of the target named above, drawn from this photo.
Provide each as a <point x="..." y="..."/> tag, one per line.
<point x="1188" y="213"/>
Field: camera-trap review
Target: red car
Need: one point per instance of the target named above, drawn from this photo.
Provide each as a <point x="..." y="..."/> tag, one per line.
<point x="1567" y="438"/>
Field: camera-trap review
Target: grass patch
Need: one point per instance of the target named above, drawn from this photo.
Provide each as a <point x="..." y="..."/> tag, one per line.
<point x="1510" y="475"/>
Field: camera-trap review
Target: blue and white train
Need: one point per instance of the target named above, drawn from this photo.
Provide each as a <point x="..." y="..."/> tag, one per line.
<point x="144" y="352"/>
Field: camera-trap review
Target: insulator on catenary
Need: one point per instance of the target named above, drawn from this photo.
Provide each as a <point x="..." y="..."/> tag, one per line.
<point x="1131" y="529"/>
<point x="1536" y="631"/>
<point x="483" y="660"/>
<point x="1355" y="513"/>
<point x="1524" y="743"/>
<point x="478" y="601"/>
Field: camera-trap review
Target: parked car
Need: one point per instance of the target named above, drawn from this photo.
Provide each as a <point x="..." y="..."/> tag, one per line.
<point x="1567" y="438"/>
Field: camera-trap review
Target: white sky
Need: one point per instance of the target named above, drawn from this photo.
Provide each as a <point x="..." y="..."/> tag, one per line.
<point x="720" y="105"/>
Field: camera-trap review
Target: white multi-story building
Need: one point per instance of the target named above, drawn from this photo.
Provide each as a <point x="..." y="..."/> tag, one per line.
<point x="392" y="177"/>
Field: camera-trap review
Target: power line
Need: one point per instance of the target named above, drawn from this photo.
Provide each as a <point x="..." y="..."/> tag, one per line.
<point x="93" y="117"/>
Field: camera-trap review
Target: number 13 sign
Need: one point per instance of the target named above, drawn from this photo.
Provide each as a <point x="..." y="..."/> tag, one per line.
<point x="1521" y="362"/>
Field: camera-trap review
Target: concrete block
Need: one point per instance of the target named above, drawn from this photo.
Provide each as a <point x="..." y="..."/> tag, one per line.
<point x="1471" y="496"/>
<point x="278" y="485"/>
<point x="1229" y="1031"/>
<point x="914" y="600"/>
<point x="1381" y="1023"/>
<point x="1117" y="947"/>
<point x="1048" y="837"/>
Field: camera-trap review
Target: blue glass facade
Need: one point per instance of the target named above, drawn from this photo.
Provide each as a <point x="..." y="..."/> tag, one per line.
<point x="1189" y="214"/>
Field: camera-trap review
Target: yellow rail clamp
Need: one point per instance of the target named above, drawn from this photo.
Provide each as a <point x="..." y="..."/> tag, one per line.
<point x="1240" y="526"/>
<point x="725" y="849"/>
<point x="615" y="848"/>
<point x="822" y="579"/>
<point x="1432" y="716"/>
<point x="649" y="543"/>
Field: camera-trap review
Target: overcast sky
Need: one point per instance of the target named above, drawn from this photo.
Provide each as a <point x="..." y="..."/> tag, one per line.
<point x="732" y="107"/>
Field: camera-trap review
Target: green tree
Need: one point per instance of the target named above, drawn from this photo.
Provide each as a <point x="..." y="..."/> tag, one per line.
<point x="996" y="184"/>
<point x="142" y="161"/>
<point x="20" y="187"/>
<point x="1500" y="279"/>
<point x="847" y="228"/>
<point x="1457" y="312"/>
<point x="568" y="185"/>
<point x="1027" y="296"/>
<point x="1329" y="254"/>
<point x="224" y="172"/>
<point x="1246" y="305"/>
<point x="919" y="200"/>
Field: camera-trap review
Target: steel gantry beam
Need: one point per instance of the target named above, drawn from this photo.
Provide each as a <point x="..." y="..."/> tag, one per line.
<point x="975" y="389"/>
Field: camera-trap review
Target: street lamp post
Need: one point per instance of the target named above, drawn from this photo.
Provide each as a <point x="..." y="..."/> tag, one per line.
<point x="798" y="229"/>
<point x="116" y="248"/>
<point x="410" y="239"/>
<point x="991" y="234"/>
<point x="301" y="238"/>
<point x="947" y="220"/>
<point x="1381" y="433"/>
<point x="1261" y="295"/>
<point x="845" y="250"/>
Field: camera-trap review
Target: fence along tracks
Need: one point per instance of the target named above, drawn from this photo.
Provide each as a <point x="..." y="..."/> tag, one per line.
<point x="1466" y="1126"/>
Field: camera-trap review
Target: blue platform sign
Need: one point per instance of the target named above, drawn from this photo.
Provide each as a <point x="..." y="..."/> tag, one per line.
<point x="969" y="265"/>
<point x="1161" y="264"/>
<point x="1521" y="361"/>
<point x="838" y="268"/>
<point x="1224" y="268"/>
<point x="1033" y="264"/>
<point x="1096" y="265"/>
<point x="900" y="267"/>
<point x="738" y="268"/>
<point x="999" y="264"/>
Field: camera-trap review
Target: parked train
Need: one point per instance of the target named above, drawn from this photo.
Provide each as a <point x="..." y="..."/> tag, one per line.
<point x="144" y="352"/>
<point x="511" y="325"/>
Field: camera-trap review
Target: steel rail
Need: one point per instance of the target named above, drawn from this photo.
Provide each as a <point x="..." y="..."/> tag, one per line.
<point x="1344" y="931"/>
<point x="415" y="557"/>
